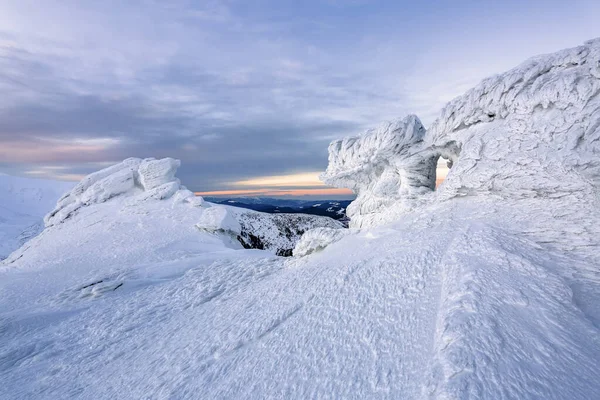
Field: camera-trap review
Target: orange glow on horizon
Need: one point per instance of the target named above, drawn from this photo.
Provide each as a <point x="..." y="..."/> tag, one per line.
<point x="269" y="185"/>
<point x="307" y="179"/>
<point x="270" y="192"/>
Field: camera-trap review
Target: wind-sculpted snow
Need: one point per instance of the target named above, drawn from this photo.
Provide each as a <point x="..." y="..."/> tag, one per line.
<point x="532" y="131"/>
<point x="145" y="179"/>
<point x="381" y="167"/>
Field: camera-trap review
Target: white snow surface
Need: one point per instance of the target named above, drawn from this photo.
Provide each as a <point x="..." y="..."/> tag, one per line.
<point x="134" y="177"/>
<point x="219" y="219"/>
<point x="317" y="239"/>
<point x="23" y="204"/>
<point x="488" y="288"/>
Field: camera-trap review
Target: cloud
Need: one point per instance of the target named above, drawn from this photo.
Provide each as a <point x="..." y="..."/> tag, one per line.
<point x="242" y="90"/>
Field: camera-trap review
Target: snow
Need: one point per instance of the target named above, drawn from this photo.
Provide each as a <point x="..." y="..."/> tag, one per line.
<point x="23" y="203"/>
<point x="487" y="288"/>
<point x="377" y="166"/>
<point x="317" y="239"/>
<point x="532" y="131"/>
<point x="219" y="219"/>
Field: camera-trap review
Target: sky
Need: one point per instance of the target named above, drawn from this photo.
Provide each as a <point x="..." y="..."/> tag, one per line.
<point x="247" y="94"/>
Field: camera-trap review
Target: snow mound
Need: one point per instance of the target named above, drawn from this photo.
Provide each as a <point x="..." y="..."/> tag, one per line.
<point x="531" y="132"/>
<point x="219" y="220"/>
<point x="137" y="179"/>
<point x="317" y="239"/>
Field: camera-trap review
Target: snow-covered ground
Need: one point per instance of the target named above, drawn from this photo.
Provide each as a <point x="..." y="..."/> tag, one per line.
<point x="23" y="204"/>
<point x="488" y="288"/>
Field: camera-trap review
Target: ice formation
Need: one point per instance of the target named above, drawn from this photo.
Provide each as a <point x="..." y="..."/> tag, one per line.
<point x="382" y="167"/>
<point x="135" y="178"/>
<point x="317" y="239"/>
<point x="532" y="131"/>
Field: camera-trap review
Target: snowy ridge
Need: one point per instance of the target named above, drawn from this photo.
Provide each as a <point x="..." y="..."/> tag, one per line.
<point x="133" y="189"/>
<point x="482" y="344"/>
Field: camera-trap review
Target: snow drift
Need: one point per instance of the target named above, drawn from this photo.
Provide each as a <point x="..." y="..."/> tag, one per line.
<point x="317" y="239"/>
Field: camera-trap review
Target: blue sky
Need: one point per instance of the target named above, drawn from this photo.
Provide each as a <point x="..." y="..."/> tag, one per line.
<point x="241" y="91"/>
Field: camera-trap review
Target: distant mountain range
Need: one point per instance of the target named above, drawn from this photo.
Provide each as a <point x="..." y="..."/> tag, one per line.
<point x="335" y="209"/>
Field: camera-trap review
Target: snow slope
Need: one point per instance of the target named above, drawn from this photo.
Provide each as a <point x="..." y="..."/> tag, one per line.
<point x="23" y="204"/>
<point x="488" y="288"/>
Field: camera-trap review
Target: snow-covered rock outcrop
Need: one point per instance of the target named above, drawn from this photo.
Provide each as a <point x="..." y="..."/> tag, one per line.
<point x="533" y="131"/>
<point x="135" y="178"/>
<point x="382" y="168"/>
<point x="277" y="233"/>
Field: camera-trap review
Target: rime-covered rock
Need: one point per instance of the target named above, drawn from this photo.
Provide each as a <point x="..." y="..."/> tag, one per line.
<point x="532" y="132"/>
<point x="382" y="167"/>
<point x="155" y="173"/>
<point x="136" y="179"/>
